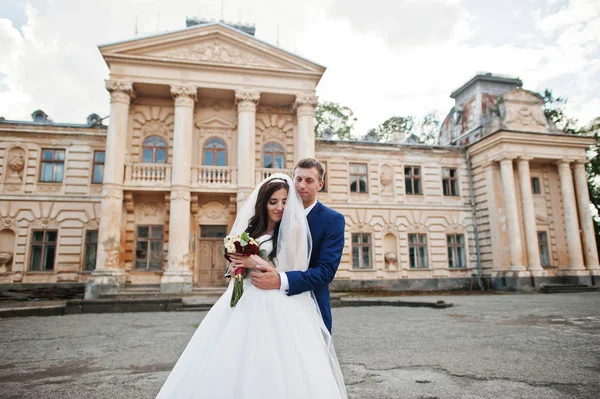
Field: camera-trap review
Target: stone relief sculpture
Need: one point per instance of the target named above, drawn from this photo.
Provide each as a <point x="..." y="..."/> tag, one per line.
<point x="216" y="51"/>
<point x="386" y="177"/>
<point x="16" y="164"/>
<point x="5" y="260"/>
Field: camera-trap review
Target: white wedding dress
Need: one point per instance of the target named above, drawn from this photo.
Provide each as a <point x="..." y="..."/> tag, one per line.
<point x="269" y="346"/>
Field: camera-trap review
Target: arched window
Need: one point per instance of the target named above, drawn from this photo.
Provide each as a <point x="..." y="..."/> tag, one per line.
<point x="273" y="156"/>
<point x="215" y="152"/>
<point x="155" y="150"/>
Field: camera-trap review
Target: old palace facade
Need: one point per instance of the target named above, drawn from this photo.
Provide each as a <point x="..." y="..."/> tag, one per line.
<point x="199" y="116"/>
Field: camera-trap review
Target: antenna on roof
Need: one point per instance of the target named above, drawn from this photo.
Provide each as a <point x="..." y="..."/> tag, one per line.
<point x="136" y="23"/>
<point x="222" y="12"/>
<point x="277" y="35"/>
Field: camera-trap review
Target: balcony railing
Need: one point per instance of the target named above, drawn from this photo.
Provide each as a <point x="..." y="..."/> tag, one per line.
<point x="263" y="173"/>
<point x="214" y="176"/>
<point x="148" y="174"/>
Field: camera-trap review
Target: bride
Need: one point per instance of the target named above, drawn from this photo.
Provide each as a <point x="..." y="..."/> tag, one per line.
<point x="270" y="345"/>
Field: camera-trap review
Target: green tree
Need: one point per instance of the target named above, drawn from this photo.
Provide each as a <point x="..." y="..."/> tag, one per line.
<point x="337" y="118"/>
<point x="426" y="128"/>
<point x="593" y="171"/>
<point x="429" y="128"/>
<point x="554" y="109"/>
<point x="384" y="131"/>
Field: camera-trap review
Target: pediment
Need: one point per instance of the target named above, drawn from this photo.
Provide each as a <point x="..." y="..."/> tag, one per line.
<point x="524" y="96"/>
<point x="215" y="123"/>
<point x="210" y="45"/>
<point x="522" y="110"/>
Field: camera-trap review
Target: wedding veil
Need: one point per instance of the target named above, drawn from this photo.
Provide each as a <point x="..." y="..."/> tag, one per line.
<point x="294" y="242"/>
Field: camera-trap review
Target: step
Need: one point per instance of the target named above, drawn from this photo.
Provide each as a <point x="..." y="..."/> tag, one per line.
<point x="560" y="288"/>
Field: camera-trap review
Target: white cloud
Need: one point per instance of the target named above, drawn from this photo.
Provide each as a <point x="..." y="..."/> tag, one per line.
<point x="383" y="58"/>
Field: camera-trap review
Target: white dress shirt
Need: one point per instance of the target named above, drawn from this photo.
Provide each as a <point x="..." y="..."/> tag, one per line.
<point x="285" y="285"/>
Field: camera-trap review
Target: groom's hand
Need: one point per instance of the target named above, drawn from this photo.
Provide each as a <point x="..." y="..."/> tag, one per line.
<point x="267" y="280"/>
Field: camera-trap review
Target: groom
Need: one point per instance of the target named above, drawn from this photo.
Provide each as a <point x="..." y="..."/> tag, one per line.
<point x="327" y="231"/>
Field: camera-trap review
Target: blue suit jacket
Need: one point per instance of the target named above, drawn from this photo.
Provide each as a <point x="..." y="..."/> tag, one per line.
<point x="327" y="231"/>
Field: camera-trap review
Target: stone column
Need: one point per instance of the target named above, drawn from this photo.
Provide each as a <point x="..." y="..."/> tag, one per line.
<point x="108" y="277"/>
<point x="531" y="238"/>
<point x="305" y="138"/>
<point x="512" y="215"/>
<point x="178" y="275"/>
<point x="571" y="224"/>
<point x="246" y="101"/>
<point x="585" y="219"/>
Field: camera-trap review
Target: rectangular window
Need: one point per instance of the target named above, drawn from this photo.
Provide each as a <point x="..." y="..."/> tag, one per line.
<point x="53" y="165"/>
<point x="213" y="231"/>
<point x="361" y="251"/>
<point x="417" y="250"/>
<point x="91" y="249"/>
<point x="456" y="251"/>
<point x="544" y="248"/>
<point x="324" y="188"/>
<point x="358" y="178"/>
<point x="450" y="182"/>
<point x="98" y="167"/>
<point x="43" y="250"/>
<point x="412" y="180"/>
<point x="149" y="247"/>
<point x="535" y="185"/>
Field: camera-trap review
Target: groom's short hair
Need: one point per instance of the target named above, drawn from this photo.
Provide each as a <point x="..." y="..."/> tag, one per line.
<point x="309" y="163"/>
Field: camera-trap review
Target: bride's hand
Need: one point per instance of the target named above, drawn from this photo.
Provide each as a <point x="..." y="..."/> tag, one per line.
<point x="248" y="262"/>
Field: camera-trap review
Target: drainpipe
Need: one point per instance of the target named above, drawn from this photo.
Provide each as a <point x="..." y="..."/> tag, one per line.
<point x="475" y="230"/>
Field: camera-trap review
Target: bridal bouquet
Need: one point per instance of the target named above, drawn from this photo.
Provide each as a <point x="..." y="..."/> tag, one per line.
<point x="241" y="245"/>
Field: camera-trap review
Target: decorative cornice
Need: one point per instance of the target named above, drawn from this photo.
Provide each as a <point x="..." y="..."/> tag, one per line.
<point x="139" y="60"/>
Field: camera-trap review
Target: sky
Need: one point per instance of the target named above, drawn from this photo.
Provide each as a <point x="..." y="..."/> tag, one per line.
<point x="383" y="57"/>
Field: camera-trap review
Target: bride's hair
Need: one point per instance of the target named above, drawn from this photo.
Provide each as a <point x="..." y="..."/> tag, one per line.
<point x="257" y="225"/>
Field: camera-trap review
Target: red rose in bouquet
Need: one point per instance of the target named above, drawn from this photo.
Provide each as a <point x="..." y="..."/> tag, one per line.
<point x="240" y="245"/>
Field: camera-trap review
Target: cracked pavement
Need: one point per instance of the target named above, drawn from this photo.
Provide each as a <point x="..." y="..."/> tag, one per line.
<point x="491" y="346"/>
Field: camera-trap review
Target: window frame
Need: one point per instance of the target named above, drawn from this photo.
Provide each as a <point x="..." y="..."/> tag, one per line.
<point x="453" y="249"/>
<point x="52" y="162"/>
<point x="412" y="177"/>
<point x="417" y="245"/>
<point x="154" y="148"/>
<point x="361" y="245"/>
<point x="94" y="163"/>
<point x="87" y="244"/>
<point x="148" y="240"/>
<point x="539" y="186"/>
<point x="540" y="248"/>
<point x="448" y="181"/>
<point x="273" y="155"/>
<point x="215" y="151"/>
<point x="43" y="244"/>
<point x="358" y="175"/>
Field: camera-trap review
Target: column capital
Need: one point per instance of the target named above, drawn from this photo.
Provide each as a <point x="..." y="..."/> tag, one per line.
<point x="184" y="96"/>
<point x="525" y="158"/>
<point x="120" y="90"/>
<point x="247" y="100"/>
<point x="305" y="104"/>
<point x="581" y="162"/>
<point x="564" y="162"/>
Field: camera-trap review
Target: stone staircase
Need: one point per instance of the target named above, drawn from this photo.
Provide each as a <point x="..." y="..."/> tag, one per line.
<point x="562" y="288"/>
<point x="153" y="291"/>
